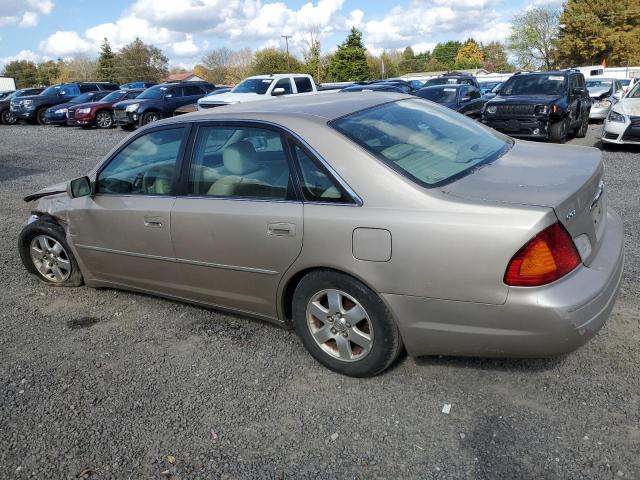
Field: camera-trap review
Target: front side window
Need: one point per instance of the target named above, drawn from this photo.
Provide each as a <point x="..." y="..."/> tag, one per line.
<point x="253" y="85"/>
<point x="284" y="83"/>
<point x="317" y="185"/>
<point x="239" y="162"/>
<point x="425" y="142"/>
<point x="146" y="166"/>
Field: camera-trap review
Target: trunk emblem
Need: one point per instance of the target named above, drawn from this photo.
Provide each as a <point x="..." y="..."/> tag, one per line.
<point x="571" y="214"/>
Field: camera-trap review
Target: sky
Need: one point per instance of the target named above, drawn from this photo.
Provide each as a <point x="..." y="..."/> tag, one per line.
<point x="39" y="30"/>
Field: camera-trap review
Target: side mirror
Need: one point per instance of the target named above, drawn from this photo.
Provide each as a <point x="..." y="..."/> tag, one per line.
<point x="578" y="91"/>
<point x="62" y="93"/>
<point x="168" y="96"/>
<point x="80" y="187"/>
<point x="277" y="92"/>
<point x="465" y="99"/>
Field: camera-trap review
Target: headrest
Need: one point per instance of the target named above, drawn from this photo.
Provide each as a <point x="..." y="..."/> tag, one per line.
<point x="239" y="158"/>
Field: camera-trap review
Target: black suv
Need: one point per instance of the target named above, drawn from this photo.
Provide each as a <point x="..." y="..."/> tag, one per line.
<point x="6" y="117"/>
<point x="545" y="105"/>
<point x="159" y="101"/>
<point x="33" y="107"/>
<point x="454" y="78"/>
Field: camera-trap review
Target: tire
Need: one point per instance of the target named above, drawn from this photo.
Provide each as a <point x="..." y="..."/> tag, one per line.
<point x="40" y="116"/>
<point x="581" y="131"/>
<point x="104" y="120"/>
<point x="7" y="118"/>
<point x="558" y="131"/>
<point x="363" y="349"/>
<point x="149" y="117"/>
<point x="46" y="255"/>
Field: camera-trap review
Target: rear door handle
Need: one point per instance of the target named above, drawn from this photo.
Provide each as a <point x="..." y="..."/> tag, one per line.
<point x="281" y="229"/>
<point x="154" y="222"/>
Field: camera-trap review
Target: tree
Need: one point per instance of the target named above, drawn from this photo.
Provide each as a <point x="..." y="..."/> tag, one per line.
<point x="312" y="56"/>
<point x="495" y="58"/>
<point x="595" y="30"/>
<point x="469" y="56"/>
<point x="24" y="72"/>
<point x="138" y="61"/>
<point x="106" y="68"/>
<point x="217" y="63"/>
<point x="410" y="62"/>
<point x="349" y="62"/>
<point x="49" y="72"/>
<point x="78" y="69"/>
<point x="272" y="60"/>
<point x="445" y="53"/>
<point x="533" y="35"/>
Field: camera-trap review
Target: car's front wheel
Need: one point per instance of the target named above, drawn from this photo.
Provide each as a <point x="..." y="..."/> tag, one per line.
<point x="345" y="325"/>
<point x="558" y="131"/>
<point x="104" y="120"/>
<point x="8" y="118"/>
<point x="46" y="255"/>
<point x="149" y="117"/>
<point x="40" y="116"/>
<point x="581" y="131"/>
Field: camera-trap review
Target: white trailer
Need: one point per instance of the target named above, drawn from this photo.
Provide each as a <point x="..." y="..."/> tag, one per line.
<point x="7" y="84"/>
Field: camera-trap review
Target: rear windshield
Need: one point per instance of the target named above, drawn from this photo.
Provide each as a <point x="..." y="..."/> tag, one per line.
<point x="430" y="144"/>
<point x="599" y="83"/>
<point x="534" y="85"/>
<point x="438" y="94"/>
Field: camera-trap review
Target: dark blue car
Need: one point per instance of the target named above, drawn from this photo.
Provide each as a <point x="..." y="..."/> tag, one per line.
<point x="462" y="98"/>
<point x="57" y="115"/>
<point x="33" y="107"/>
<point x="158" y="102"/>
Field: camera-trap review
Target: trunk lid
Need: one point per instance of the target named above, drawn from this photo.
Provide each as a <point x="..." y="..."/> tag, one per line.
<point x="568" y="179"/>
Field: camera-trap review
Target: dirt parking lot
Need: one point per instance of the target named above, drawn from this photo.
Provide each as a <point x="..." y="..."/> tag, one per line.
<point x="125" y="386"/>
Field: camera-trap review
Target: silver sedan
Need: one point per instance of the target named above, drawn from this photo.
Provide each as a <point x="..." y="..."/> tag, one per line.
<point x="369" y="223"/>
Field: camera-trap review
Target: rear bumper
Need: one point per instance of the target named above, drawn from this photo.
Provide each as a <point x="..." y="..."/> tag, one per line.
<point x="533" y="322"/>
<point x="519" y="127"/>
<point x="598" y="113"/>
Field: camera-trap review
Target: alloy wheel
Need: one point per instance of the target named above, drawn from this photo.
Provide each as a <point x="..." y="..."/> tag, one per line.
<point x="104" y="120"/>
<point x="150" y="117"/>
<point x="50" y="259"/>
<point x="8" y="118"/>
<point x="340" y="325"/>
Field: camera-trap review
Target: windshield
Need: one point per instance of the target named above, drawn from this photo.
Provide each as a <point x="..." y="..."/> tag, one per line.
<point x="17" y="93"/>
<point x="51" y="90"/>
<point x="427" y="143"/>
<point x="85" y="97"/>
<point x="439" y="94"/>
<point x="113" y="97"/>
<point x="635" y="91"/>
<point x="496" y="89"/>
<point x="534" y="85"/>
<point x="153" y="92"/>
<point x="253" y="85"/>
<point x="599" y="83"/>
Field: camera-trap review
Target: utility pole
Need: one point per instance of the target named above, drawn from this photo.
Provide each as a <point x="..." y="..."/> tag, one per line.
<point x="286" y="40"/>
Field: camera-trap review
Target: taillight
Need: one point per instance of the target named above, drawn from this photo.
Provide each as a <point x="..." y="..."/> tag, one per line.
<point x="548" y="256"/>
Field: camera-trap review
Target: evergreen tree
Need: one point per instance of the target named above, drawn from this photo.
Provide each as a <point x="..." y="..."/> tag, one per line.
<point x="349" y="62"/>
<point x="106" y="70"/>
<point x="273" y="60"/>
<point x="445" y="53"/>
<point x="138" y="61"/>
<point x="595" y="30"/>
<point x="24" y="72"/>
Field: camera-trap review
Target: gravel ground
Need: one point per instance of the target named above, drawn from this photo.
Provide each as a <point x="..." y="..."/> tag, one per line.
<point x="125" y="386"/>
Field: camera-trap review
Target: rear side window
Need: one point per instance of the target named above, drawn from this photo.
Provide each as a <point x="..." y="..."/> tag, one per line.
<point x="303" y="84"/>
<point x="425" y="142"/>
<point x="88" y="87"/>
<point x="191" y="90"/>
<point x="317" y="185"/>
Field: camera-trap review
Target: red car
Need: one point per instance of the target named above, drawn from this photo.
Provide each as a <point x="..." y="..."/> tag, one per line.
<point x="99" y="113"/>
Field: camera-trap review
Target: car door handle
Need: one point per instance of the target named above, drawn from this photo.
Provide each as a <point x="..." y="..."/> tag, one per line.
<point x="154" y="222"/>
<point x="281" y="229"/>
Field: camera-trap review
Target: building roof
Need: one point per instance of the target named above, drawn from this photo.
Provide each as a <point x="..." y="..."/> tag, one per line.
<point x="178" y="77"/>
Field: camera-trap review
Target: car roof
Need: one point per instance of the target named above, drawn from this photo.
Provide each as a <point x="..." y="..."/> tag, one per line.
<point x="322" y="107"/>
<point x="446" y="85"/>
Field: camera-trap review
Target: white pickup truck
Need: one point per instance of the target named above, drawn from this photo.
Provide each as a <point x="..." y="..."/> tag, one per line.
<point x="261" y="87"/>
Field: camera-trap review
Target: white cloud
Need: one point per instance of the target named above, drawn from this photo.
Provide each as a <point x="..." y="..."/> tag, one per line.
<point x="25" y="13"/>
<point x="184" y="49"/>
<point x="498" y="31"/>
<point x="22" y="55"/>
<point x="65" y="44"/>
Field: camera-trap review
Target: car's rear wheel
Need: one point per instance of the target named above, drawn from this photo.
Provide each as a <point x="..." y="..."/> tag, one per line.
<point x="558" y="131"/>
<point x="46" y="255"/>
<point x="104" y="120"/>
<point x="149" y="117"/>
<point x="8" y="118"/>
<point x="40" y="116"/>
<point x="344" y="325"/>
<point x="581" y="131"/>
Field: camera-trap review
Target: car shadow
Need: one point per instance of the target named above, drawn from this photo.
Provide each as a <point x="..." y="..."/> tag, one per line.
<point x="495" y="364"/>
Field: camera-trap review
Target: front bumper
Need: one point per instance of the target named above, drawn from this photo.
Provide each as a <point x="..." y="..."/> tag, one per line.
<point x="80" y="120"/>
<point x="122" y="117"/>
<point x="23" y="112"/>
<point x="524" y="127"/>
<point x="533" y="322"/>
<point x="53" y="118"/>
<point x="621" y="133"/>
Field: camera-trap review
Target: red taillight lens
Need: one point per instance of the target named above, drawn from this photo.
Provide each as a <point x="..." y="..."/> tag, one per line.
<point x="549" y="255"/>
